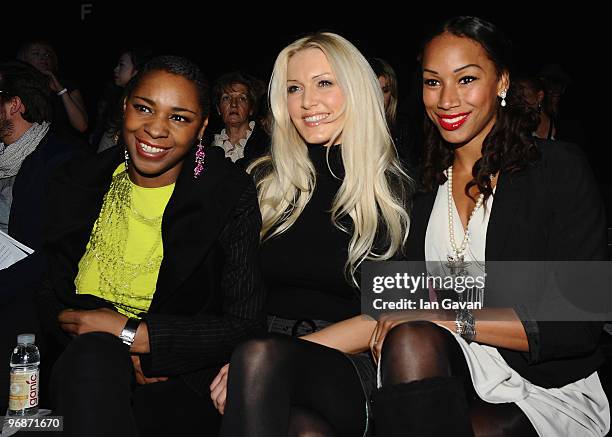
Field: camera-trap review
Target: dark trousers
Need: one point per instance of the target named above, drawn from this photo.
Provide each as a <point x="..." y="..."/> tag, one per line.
<point x="94" y="388"/>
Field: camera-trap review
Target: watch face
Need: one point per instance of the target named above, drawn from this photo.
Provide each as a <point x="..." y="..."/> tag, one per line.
<point x="129" y="331"/>
<point x="126" y="339"/>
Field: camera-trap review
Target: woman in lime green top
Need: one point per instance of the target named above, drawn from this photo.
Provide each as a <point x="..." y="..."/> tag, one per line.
<point x="152" y="281"/>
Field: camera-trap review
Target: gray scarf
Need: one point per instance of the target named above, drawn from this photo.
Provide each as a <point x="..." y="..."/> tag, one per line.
<point x="13" y="155"/>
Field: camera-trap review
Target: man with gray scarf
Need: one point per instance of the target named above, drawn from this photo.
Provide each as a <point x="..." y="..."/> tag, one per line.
<point x="29" y="151"/>
<point x="18" y="138"/>
<point x="29" y="154"/>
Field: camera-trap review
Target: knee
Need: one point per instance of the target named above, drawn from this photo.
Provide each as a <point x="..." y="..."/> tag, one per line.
<point x="414" y="333"/>
<point x="94" y="350"/>
<point x="257" y="354"/>
<point x="411" y="335"/>
<point x="419" y="350"/>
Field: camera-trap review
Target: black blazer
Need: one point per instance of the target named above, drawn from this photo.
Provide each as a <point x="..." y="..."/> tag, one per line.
<point x="549" y="211"/>
<point x="27" y="215"/>
<point x="208" y="296"/>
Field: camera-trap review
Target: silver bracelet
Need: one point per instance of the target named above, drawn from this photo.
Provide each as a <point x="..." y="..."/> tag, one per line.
<point x="62" y="92"/>
<point x="466" y="325"/>
<point x="128" y="334"/>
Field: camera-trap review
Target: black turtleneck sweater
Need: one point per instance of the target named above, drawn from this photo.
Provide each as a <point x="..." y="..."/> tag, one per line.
<point x="304" y="266"/>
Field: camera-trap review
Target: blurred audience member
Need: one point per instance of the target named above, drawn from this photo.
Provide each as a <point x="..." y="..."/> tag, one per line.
<point x="564" y="123"/>
<point x="69" y="113"/>
<point x="400" y="126"/>
<point x="531" y="91"/>
<point x="110" y="107"/>
<point x="236" y="96"/>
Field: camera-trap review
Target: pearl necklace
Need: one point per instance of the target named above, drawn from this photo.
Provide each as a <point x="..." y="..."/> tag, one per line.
<point x="459" y="252"/>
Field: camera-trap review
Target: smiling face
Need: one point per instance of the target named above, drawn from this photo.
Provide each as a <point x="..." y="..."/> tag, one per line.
<point x="460" y="88"/>
<point x="314" y="99"/>
<point x="163" y="120"/>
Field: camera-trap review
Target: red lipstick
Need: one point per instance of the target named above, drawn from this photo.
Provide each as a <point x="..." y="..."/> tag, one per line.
<point x="452" y="121"/>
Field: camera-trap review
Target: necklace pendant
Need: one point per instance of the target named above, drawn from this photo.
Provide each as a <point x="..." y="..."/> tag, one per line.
<point x="455" y="259"/>
<point x="456" y="263"/>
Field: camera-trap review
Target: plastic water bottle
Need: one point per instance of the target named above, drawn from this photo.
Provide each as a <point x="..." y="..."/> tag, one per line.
<point x="23" y="395"/>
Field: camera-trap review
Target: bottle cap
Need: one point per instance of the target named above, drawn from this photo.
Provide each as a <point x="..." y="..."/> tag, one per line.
<point x="26" y="338"/>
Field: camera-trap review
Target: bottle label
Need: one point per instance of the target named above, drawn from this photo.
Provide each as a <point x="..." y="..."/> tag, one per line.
<point x="24" y="390"/>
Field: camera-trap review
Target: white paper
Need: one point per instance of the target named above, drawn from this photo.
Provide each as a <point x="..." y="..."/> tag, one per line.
<point x="11" y="251"/>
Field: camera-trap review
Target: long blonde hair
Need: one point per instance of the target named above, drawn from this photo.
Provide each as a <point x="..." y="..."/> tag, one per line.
<point x="374" y="190"/>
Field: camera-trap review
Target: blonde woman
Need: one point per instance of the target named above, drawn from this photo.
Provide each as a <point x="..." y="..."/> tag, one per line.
<point x="331" y="194"/>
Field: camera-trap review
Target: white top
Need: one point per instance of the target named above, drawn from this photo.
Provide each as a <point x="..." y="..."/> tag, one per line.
<point x="437" y="240"/>
<point x="233" y="151"/>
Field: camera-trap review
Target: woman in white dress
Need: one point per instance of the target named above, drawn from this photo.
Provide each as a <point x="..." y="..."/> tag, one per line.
<point x="493" y="194"/>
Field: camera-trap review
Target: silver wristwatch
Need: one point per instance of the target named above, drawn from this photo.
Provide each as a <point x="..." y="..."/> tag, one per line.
<point x="466" y="325"/>
<point x="129" y="331"/>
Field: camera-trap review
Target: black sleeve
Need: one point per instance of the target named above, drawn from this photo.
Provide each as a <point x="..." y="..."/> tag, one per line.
<point x="49" y="305"/>
<point x="181" y="344"/>
<point x="577" y="232"/>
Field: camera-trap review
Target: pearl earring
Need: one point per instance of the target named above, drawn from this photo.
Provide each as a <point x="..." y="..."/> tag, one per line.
<point x="503" y="97"/>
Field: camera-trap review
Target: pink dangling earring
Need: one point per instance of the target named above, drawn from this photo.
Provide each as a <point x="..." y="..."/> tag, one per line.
<point x="126" y="160"/>
<point x="199" y="160"/>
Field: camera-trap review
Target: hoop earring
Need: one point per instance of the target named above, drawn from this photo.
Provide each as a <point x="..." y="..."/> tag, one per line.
<point x="503" y="97"/>
<point x="199" y="160"/>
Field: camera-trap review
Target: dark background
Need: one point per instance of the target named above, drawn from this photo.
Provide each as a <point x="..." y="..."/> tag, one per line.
<point x="224" y="36"/>
<point x="232" y="35"/>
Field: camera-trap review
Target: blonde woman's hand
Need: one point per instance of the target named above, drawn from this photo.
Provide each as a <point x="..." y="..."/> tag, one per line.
<point x="218" y="389"/>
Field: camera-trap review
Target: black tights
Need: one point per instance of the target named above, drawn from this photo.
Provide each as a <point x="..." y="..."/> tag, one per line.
<point x="417" y="351"/>
<point x="283" y="386"/>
